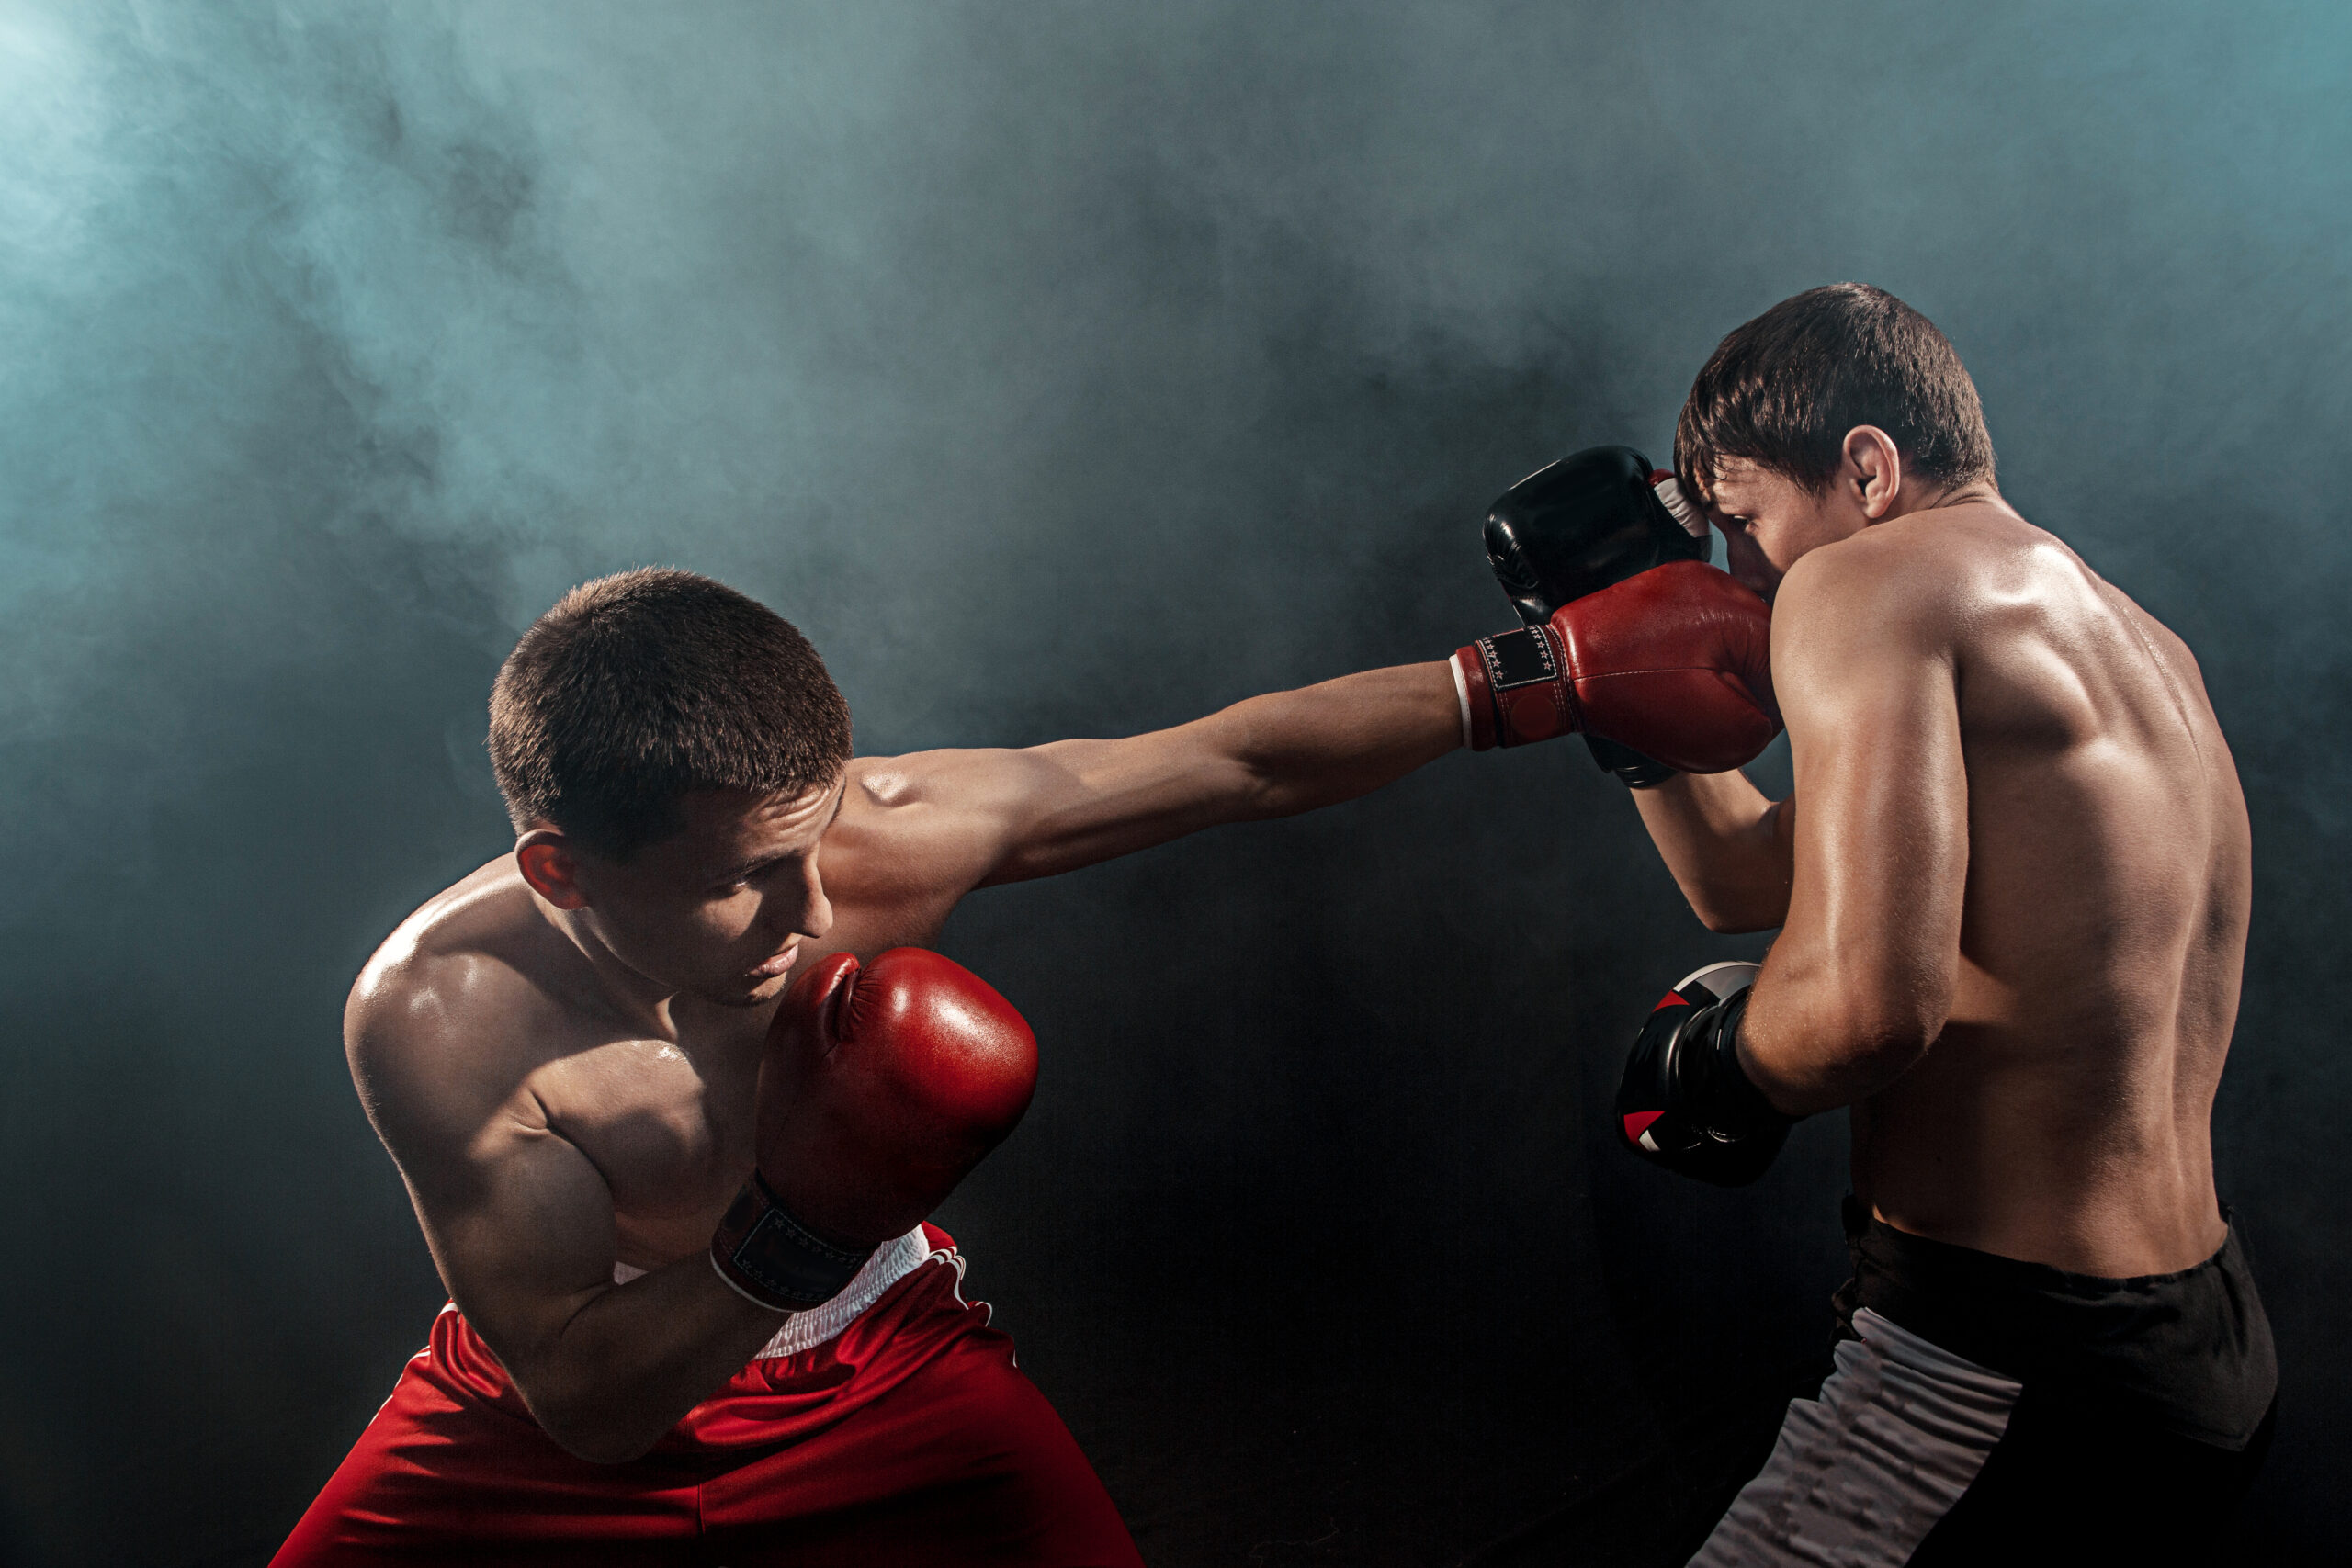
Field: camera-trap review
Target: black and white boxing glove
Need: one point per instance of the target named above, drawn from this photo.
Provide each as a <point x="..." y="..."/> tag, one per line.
<point x="1685" y="1102"/>
<point x="1589" y="521"/>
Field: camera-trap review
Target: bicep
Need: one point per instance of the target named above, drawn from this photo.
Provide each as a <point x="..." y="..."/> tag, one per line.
<point x="1009" y="816"/>
<point x="520" y="1223"/>
<point x="1880" y="853"/>
<point x="969" y="819"/>
<point x="1095" y="800"/>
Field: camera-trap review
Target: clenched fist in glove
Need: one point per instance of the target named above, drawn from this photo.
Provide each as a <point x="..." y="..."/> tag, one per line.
<point x="1685" y="1101"/>
<point x="880" y="1091"/>
<point x="1675" y="662"/>
<point x="1594" y="518"/>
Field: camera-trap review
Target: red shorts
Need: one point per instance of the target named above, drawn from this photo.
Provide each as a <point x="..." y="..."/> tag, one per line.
<point x="910" y="1439"/>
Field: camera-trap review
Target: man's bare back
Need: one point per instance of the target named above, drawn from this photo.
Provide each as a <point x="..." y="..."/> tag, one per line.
<point x="2062" y="1113"/>
<point x="2012" y="882"/>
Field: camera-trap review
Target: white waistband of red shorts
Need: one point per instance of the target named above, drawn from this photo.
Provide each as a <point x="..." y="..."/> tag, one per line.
<point x="891" y="1262"/>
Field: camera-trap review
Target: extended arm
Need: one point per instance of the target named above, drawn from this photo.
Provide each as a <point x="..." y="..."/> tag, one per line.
<point x="965" y="819"/>
<point x="1270" y="756"/>
<point x="1673" y="662"/>
<point x="1860" y="983"/>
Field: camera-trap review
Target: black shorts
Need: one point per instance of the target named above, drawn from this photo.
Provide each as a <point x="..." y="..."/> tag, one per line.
<point x="1984" y="1409"/>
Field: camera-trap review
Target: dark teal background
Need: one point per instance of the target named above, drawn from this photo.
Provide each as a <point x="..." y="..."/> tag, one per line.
<point x="1069" y="369"/>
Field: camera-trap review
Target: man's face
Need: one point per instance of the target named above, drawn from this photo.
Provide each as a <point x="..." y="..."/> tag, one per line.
<point x="719" y="910"/>
<point x="1769" y="521"/>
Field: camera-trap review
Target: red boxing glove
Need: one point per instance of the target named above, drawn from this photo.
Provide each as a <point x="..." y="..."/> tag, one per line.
<point x="881" y="1089"/>
<point x="1676" y="663"/>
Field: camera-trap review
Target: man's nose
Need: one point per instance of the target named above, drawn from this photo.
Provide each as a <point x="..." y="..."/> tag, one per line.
<point x="816" y="916"/>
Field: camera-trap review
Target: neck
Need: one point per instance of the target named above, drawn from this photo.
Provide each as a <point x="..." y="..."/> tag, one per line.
<point x="1979" y="492"/>
<point x="645" y="1004"/>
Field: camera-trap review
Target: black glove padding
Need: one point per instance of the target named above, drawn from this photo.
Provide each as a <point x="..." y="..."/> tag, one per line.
<point x="1685" y="1102"/>
<point x="1635" y="771"/>
<point x="1590" y="520"/>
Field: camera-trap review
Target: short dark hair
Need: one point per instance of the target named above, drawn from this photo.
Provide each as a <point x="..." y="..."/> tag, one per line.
<point x="638" y="688"/>
<point x="1784" y="389"/>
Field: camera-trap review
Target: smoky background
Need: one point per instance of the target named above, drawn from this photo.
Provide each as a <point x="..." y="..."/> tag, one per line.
<point x="1072" y="370"/>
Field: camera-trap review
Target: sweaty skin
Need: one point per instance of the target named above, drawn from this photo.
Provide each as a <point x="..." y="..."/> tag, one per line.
<point x="2012" y="879"/>
<point x="561" y="1052"/>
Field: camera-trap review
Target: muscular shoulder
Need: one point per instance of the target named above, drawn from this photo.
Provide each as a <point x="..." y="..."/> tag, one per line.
<point x="1847" y="606"/>
<point x="1933" y="580"/>
<point x="887" y="792"/>
<point x="928" y="824"/>
<point x="452" y="1014"/>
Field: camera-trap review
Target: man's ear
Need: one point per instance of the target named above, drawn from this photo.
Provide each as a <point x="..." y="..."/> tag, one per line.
<point x="1874" y="467"/>
<point x="547" y="863"/>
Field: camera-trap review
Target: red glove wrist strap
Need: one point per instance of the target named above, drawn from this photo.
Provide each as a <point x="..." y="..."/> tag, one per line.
<point x="774" y="1260"/>
<point x="1516" y="686"/>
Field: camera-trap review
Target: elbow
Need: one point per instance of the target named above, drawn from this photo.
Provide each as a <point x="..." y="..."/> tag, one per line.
<point x="591" y="1431"/>
<point x="1728" y="913"/>
<point x="1874" y="1063"/>
<point x="1263" y="793"/>
<point x="1874" y="1046"/>
<point x="1893" y="1021"/>
<point x="1832" y="1023"/>
<point x="1727" y="921"/>
<point x="1811" y="1058"/>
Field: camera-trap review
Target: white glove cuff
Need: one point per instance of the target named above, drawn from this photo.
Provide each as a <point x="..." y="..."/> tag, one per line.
<point x="1670" y="496"/>
<point x="1462" y="697"/>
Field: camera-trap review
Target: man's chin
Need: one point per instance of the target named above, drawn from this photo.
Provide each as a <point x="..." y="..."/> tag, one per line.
<point x="751" y="990"/>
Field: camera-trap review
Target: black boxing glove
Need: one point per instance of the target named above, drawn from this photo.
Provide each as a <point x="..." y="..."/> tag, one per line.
<point x="1685" y="1102"/>
<point x="1633" y="770"/>
<point x="1594" y="518"/>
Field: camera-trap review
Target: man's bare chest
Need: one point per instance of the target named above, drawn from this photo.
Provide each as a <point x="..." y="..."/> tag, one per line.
<point x="669" y="1129"/>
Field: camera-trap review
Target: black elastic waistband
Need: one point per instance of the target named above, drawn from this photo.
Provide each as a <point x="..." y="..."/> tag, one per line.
<point x="2189" y="1350"/>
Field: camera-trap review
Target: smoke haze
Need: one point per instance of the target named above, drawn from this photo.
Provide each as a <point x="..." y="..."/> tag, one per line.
<point x="1067" y="369"/>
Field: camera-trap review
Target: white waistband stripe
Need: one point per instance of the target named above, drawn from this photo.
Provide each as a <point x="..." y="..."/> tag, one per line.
<point x="891" y="1262"/>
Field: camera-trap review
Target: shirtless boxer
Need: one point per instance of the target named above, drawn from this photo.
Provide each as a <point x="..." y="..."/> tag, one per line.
<point x="694" y="1314"/>
<point x="2012" y="908"/>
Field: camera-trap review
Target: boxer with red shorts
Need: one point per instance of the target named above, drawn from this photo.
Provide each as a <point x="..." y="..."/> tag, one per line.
<point x="908" y="1429"/>
<point x="678" y="1199"/>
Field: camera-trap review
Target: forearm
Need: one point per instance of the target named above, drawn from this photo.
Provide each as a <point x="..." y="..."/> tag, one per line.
<point x="635" y="1358"/>
<point x="1804" y="1073"/>
<point x="1076" y="803"/>
<point x="1832" y="1021"/>
<point x="1727" y="846"/>
<point x="1338" y="739"/>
